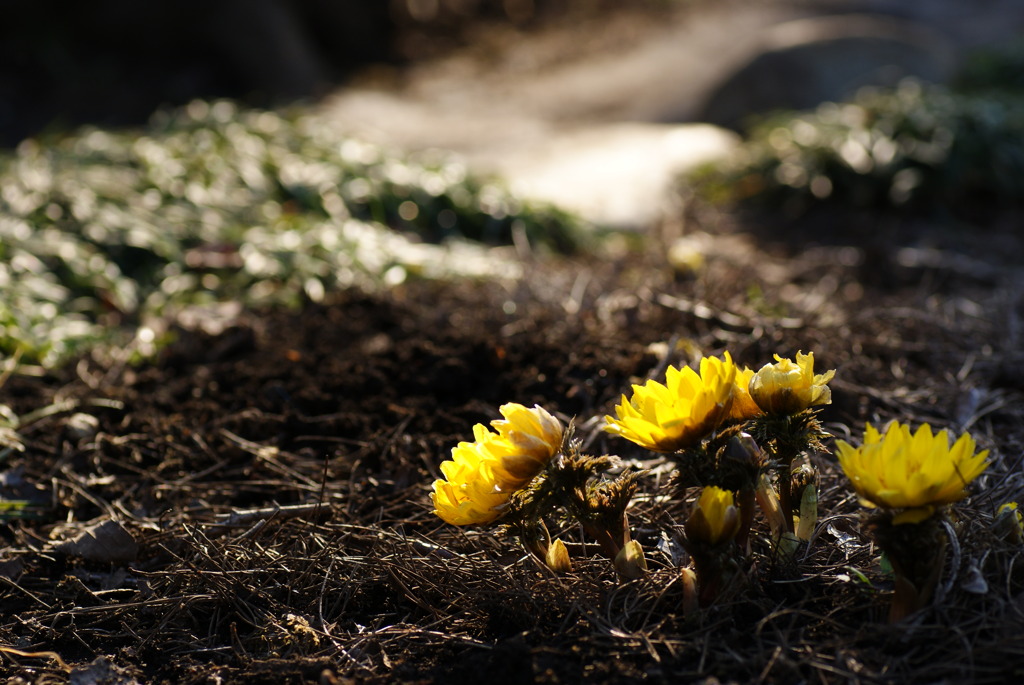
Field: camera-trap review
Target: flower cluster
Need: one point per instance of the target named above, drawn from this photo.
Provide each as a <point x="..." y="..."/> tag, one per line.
<point x="747" y="439"/>
<point x="678" y="414"/>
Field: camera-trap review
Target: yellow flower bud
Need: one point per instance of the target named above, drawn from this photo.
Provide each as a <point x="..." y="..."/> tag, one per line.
<point x="768" y="500"/>
<point x="691" y="598"/>
<point x="715" y="520"/>
<point x="808" y="513"/>
<point x="630" y="562"/>
<point x="1009" y="523"/>
<point x="557" y="557"/>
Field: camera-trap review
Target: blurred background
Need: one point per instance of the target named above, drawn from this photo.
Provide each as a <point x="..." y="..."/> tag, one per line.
<point x="168" y="157"/>
<point x="113" y="62"/>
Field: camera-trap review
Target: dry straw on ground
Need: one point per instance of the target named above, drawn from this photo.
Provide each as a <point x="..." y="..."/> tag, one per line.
<point x="275" y="479"/>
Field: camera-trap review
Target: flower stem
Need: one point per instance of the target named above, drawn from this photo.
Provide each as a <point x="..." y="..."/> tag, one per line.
<point x="785" y="462"/>
<point x="747" y="503"/>
<point x="917" y="552"/>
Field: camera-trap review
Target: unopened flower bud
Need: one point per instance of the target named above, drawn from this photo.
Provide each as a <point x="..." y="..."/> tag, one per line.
<point x="1009" y="523"/>
<point x="691" y="597"/>
<point x="630" y="562"/>
<point x="715" y="520"/>
<point x="557" y="557"/>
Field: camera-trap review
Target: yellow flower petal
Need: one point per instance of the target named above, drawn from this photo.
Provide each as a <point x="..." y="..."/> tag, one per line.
<point x="913" y="515"/>
<point x="462" y="503"/>
<point x="743" y="405"/>
<point x="534" y="432"/>
<point x="528" y="439"/>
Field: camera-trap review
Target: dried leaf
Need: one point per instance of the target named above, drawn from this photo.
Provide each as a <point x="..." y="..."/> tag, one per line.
<point x="105" y="542"/>
<point x="101" y="672"/>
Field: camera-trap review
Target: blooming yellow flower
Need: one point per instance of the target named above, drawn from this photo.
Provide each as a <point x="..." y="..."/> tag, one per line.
<point x="743" y="405"/>
<point x="675" y="415"/>
<point x="481" y="476"/>
<point x="788" y="388"/>
<point x="915" y="472"/>
<point x="715" y="519"/>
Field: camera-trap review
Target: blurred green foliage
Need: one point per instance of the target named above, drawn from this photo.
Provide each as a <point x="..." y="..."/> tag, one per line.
<point x="916" y="148"/>
<point x="997" y="70"/>
<point x="210" y="204"/>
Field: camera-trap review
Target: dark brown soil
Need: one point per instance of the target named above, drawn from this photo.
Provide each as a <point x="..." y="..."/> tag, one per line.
<point x="349" y="407"/>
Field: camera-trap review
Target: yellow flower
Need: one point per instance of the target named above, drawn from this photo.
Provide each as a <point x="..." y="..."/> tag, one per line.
<point x="914" y="472"/>
<point x="676" y="415"/>
<point x="788" y="388"/>
<point x="481" y="476"/>
<point x="715" y="519"/>
<point x="743" y="405"/>
<point x="532" y="436"/>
